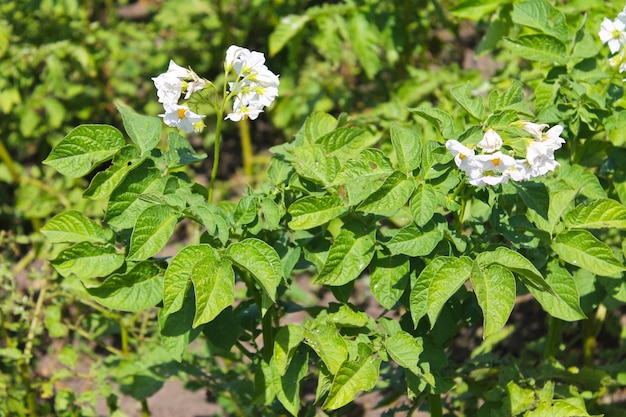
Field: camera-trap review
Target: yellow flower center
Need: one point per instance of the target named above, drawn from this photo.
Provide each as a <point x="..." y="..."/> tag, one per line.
<point x="496" y="162"/>
<point x="181" y="113"/>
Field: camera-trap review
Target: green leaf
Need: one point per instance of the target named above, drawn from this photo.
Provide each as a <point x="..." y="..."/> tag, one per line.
<point x="287" y="28"/>
<point x="135" y="290"/>
<point x="125" y="206"/>
<point x="326" y="341"/>
<point x="245" y="211"/>
<point x="86" y="260"/>
<point x="180" y="152"/>
<point x="516" y="263"/>
<point x="514" y="94"/>
<point x="474" y="9"/>
<point x="349" y="255"/>
<point x="71" y="226"/>
<point x="176" y="331"/>
<point x="364" y="39"/>
<point x="153" y="230"/>
<point x="542" y="16"/>
<point x="353" y="376"/>
<point x="103" y="184"/>
<point x="535" y="195"/>
<point x="315" y="126"/>
<point x="423" y="203"/>
<point x="404" y="349"/>
<point x="441" y="119"/>
<point x="260" y="260"/>
<point x="494" y="287"/>
<point x="311" y="162"/>
<point x="178" y="275"/>
<point x="582" y="249"/>
<point x="287" y="385"/>
<point x="444" y="283"/>
<point x="364" y="176"/>
<point x="581" y="180"/>
<point x="600" y="214"/>
<point x="286" y="343"/>
<point x="564" y="303"/>
<point x="472" y="104"/>
<point x="311" y="211"/>
<point x="419" y="292"/>
<point x="343" y="141"/>
<point x="390" y="197"/>
<point x="144" y="131"/>
<point x="537" y="47"/>
<point x="407" y="145"/>
<point x="83" y="148"/>
<point x="413" y="240"/>
<point x="389" y="278"/>
<point x="214" y="285"/>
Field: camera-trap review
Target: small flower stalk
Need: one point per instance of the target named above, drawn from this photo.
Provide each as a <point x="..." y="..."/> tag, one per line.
<point x="486" y="164"/>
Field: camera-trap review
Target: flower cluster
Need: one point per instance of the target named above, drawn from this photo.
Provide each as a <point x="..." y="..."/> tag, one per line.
<point x="490" y="166"/>
<point x="613" y="33"/>
<point x="170" y="85"/>
<point x="256" y="86"/>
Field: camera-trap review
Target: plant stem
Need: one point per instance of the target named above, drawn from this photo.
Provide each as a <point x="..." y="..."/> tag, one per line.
<point x="6" y="158"/>
<point x="434" y="402"/>
<point x="216" y="155"/>
<point x="124" y="335"/>
<point x="246" y="147"/>
<point x="591" y="328"/>
<point x="145" y="411"/>
<point x="554" y="337"/>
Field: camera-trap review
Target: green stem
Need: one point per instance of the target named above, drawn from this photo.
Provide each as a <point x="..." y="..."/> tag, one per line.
<point x="589" y="340"/>
<point x="145" y="411"/>
<point x="216" y="155"/>
<point x="554" y="337"/>
<point x="434" y="402"/>
<point x="6" y="158"/>
<point x="246" y="147"/>
<point x="124" y="335"/>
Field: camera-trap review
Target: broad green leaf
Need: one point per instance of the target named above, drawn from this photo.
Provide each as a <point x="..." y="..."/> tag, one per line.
<point x="538" y="47"/>
<point x="287" y="28"/>
<point x="178" y="275"/>
<point x="415" y="241"/>
<point x="349" y="255"/>
<point x="419" y="292"/>
<point x="311" y="211"/>
<point x="364" y="39"/>
<point x="286" y="343"/>
<point x="404" y="349"/>
<point x="542" y="16"/>
<point x="353" y="376"/>
<point x="311" y="162"/>
<point x="135" y="290"/>
<point x="315" y="126"/>
<point x="125" y="206"/>
<point x="516" y="263"/>
<point x="423" y="203"/>
<point x="389" y="278"/>
<point x="176" y="331"/>
<point x="154" y="228"/>
<point x="103" y="184"/>
<point x="444" y="283"/>
<point x="565" y="302"/>
<point x="514" y="94"/>
<point x="474" y="9"/>
<point x="471" y="103"/>
<point x="599" y="214"/>
<point x="364" y="176"/>
<point x="214" y="285"/>
<point x="245" y="211"/>
<point x="343" y="141"/>
<point x="287" y="385"/>
<point x="581" y="180"/>
<point x="326" y="341"/>
<point x="494" y="287"/>
<point x="390" y="197"/>
<point x="72" y="226"/>
<point x="407" y="145"/>
<point x="441" y="119"/>
<point x="83" y="148"/>
<point x="86" y="260"/>
<point x="180" y="152"/>
<point x="260" y="260"/>
<point x="535" y="195"/>
<point x="582" y="249"/>
<point x="144" y="131"/>
<point x="346" y="316"/>
<point x="522" y="399"/>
